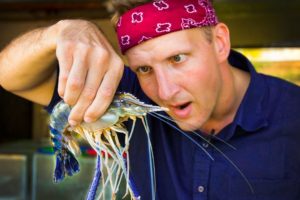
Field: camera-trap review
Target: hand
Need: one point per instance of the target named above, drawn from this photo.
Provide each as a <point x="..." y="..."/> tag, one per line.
<point x="90" y="70"/>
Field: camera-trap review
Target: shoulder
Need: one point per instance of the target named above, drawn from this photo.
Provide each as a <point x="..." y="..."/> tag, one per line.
<point x="286" y="93"/>
<point x="283" y="101"/>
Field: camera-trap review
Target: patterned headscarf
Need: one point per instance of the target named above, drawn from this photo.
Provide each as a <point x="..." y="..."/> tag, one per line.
<point x="161" y="17"/>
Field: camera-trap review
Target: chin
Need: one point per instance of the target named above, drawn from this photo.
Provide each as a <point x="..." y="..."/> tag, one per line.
<point x="192" y="123"/>
<point x="186" y="126"/>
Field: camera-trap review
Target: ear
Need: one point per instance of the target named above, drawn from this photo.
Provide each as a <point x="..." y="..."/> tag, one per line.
<point x="222" y="42"/>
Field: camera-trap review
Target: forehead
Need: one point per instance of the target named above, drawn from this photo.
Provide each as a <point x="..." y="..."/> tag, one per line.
<point x="167" y="45"/>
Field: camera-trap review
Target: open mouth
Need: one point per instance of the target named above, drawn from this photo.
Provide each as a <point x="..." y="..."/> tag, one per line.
<point x="182" y="110"/>
<point x="183" y="106"/>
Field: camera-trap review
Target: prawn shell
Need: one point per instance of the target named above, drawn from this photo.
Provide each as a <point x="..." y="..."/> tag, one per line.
<point x="106" y="121"/>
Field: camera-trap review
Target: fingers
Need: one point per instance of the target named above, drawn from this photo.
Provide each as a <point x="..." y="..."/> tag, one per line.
<point x="96" y="98"/>
<point x="105" y="93"/>
<point x="87" y="96"/>
<point x="90" y="70"/>
<point x="100" y="84"/>
<point x="77" y="76"/>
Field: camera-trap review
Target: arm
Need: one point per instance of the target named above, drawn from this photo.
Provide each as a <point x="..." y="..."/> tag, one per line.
<point x="26" y="63"/>
<point x="90" y="70"/>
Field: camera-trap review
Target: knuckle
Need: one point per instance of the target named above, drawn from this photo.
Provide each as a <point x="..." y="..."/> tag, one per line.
<point x="82" y="50"/>
<point x="89" y="93"/>
<point x="64" y="46"/>
<point x="75" y="84"/>
<point x="107" y="91"/>
<point x="63" y="77"/>
<point x="67" y="43"/>
<point x="64" y="51"/>
<point x="102" y="53"/>
<point x="83" y="46"/>
<point x="70" y="101"/>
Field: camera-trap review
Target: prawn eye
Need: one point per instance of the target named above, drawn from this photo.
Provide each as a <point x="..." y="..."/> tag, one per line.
<point x="127" y="105"/>
<point x="117" y="104"/>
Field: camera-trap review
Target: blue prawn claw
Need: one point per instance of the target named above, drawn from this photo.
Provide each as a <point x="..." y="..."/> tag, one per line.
<point x="65" y="164"/>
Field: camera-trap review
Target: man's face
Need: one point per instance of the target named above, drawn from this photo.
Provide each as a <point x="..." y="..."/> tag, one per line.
<point x="179" y="71"/>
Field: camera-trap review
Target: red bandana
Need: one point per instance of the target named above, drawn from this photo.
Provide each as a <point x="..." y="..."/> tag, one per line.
<point x="161" y="17"/>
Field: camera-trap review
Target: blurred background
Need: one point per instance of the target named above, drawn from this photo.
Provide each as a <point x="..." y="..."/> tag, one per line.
<point x="267" y="31"/>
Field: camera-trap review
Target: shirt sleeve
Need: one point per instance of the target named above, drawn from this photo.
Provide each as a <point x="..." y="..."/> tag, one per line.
<point x="55" y="97"/>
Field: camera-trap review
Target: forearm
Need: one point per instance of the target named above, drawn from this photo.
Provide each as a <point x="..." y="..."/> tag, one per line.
<point x="28" y="60"/>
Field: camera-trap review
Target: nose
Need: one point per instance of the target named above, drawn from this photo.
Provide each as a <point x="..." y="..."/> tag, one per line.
<point x="167" y="84"/>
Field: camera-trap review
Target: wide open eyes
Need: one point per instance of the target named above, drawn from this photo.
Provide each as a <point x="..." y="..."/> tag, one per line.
<point x="178" y="58"/>
<point x="142" y="70"/>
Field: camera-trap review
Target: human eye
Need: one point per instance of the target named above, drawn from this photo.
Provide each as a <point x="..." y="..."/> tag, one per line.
<point x="178" y="58"/>
<point x="143" y="69"/>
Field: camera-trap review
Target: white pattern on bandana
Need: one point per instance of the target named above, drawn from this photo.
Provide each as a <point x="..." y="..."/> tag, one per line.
<point x="137" y="17"/>
<point x="144" y="38"/>
<point x="125" y="40"/>
<point x="161" y="5"/>
<point x="190" y="23"/>
<point x="163" y="27"/>
<point x="210" y="13"/>
<point x="190" y="8"/>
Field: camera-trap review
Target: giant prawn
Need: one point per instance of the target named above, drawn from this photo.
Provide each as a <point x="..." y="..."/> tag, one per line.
<point x="102" y="135"/>
<point x="103" y="138"/>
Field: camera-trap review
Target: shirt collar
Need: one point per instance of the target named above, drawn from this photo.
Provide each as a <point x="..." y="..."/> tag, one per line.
<point x="250" y="115"/>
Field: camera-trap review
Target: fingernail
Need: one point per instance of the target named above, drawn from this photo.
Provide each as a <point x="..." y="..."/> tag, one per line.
<point x="72" y="122"/>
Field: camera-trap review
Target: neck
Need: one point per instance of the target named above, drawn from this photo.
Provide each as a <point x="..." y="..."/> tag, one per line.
<point x="234" y="85"/>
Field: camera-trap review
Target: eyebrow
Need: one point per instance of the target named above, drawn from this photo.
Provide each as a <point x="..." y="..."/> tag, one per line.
<point x="177" y="52"/>
<point x="134" y="66"/>
<point x="170" y="54"/>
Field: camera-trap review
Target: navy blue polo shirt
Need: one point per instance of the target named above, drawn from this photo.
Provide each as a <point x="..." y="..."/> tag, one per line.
<point x="265" y="134"/>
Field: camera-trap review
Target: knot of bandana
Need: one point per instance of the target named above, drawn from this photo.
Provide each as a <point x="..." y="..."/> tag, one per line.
<point x="161" y="17"/>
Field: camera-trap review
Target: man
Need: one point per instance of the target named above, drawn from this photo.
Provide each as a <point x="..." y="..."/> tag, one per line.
<point x="182" y="60"/>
